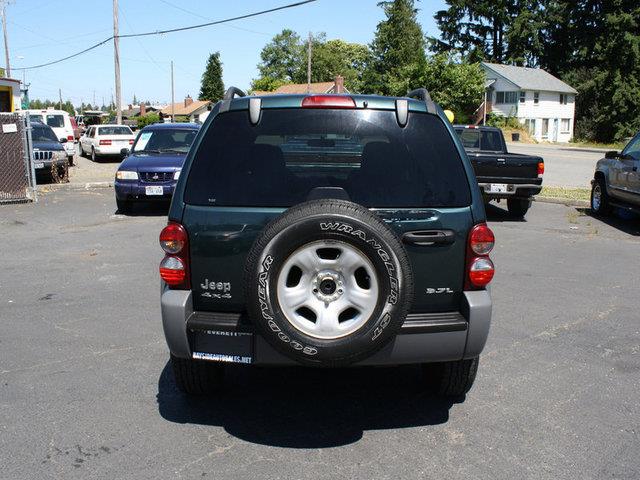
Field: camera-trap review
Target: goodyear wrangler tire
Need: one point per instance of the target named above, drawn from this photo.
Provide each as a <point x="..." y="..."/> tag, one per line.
<point x="328" y="283"/>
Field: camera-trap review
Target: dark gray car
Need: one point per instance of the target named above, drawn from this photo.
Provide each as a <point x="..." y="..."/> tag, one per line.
<point x="616" y="182"/>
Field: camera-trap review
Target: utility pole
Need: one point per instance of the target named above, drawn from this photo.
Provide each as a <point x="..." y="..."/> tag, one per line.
<point x="173" y="101"/>
<point x="6" y="42"/>
<point x="309" y="64"/>
<point x="60" y="94"/>
<point x="116" y="56"/>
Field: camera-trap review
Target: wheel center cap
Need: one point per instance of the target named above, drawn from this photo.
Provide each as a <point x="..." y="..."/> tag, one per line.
<point x="328" y="286"/>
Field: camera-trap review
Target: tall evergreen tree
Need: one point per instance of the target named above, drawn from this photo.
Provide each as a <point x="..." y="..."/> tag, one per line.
<point x="398" y="45"/>
<point x="212" y="87"/>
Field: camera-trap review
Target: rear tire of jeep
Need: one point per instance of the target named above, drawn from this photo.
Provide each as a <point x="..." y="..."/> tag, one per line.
<point x="197" y="377"/>
<point x="518" y="207"/>
<point x="451" y="379"/>
<point x="328" y="283"/>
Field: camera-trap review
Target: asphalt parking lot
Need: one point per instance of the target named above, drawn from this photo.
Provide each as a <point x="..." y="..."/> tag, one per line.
<point x="85" y="389"/>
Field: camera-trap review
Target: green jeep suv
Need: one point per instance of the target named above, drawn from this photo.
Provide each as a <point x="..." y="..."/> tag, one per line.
<point x="326" y="231"/>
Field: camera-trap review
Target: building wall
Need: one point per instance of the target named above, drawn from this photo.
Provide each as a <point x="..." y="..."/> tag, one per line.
<point x="13" y="89"/>
<point x="550" y="108"/>
<point x="502" y="85"/>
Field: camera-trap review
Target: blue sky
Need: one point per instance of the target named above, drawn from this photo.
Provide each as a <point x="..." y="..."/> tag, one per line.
<point x="40" y="31"/>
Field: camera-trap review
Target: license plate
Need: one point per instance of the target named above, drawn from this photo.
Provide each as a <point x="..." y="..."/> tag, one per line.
<point x="153" y="190"/>
<point x="497" y="188"/>
<point x="38" y="165"/>
<point x="223" y="346"/>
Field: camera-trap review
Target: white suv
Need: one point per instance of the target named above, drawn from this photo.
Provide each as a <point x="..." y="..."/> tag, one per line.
<point x="106" y="141"/>
<point x="60" y="122"/>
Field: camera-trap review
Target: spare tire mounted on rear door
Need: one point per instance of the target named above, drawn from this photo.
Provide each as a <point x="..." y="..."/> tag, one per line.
<point x="328" y="283"/>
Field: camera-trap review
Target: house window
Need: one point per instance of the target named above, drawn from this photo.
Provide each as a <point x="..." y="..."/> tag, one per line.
<point x="523" y="97"/>
<point x="563" y="98"/>
<point x="545" y="127"/>
<point x="536" y="98"/>
<point x="530" y="125"/>
<point x="506" y="97"/>
<point x="565" y="124"/>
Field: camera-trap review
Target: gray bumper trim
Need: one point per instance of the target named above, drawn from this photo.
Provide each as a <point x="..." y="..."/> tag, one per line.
<point x="477" y="310"/>
<point x="176" y="307"/>
<point x="436" y="346"/>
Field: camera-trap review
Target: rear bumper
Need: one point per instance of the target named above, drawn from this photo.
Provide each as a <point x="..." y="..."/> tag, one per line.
<point x="522" y="190"/>
<point x="423" y="338"/>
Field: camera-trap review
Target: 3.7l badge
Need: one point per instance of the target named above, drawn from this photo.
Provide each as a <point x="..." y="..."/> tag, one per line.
<point x="431" y="291"/>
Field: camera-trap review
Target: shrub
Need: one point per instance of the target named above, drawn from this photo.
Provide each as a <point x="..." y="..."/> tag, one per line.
<point x="148" y="119"/>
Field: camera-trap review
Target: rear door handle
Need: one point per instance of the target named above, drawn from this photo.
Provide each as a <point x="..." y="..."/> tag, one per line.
<point x="429" y="237"/>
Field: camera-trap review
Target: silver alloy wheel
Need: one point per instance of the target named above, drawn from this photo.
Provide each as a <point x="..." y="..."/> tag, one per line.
<point x="327" y="289"/>
<point x="596" y="198"/>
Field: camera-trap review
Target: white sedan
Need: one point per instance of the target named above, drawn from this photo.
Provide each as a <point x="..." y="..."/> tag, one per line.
<point x="105" y="141"/>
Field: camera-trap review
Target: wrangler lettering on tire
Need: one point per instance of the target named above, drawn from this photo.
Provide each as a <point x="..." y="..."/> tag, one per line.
<point x="328" y="283"/>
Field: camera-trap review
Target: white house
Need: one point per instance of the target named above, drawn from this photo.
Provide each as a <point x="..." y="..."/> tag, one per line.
<point x="544" y="104"/>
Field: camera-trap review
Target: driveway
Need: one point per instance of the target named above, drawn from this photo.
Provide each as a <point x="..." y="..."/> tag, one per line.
<point x="564" y="166"/>
<point x="86" y="391"/>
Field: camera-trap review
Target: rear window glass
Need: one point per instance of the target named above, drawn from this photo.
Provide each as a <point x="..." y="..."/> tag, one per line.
<point x="55" y="121"/>
<point x="114" y="131"/>
<point x="476" y="139"/>
<point x="278" y="162"/>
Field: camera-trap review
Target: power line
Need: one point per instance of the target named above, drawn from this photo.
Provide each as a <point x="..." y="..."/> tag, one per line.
<point x="171" y="30"/>
<point x="177" y="7"/>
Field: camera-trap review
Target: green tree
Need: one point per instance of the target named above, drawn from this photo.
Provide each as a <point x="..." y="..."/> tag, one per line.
<point x="212" y="87"/>
<point x="337" y="57"/>
<point x="398" y="46"/>
<point x="266" y="84"/>
<point x="135" y="100"/>
<point x="282" y="57"/>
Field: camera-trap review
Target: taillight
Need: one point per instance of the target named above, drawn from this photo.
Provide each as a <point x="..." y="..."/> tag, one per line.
<point x="105" y="142"/>
<point x="480" y="268"/>
<point x="131" y="142"/>
<point x="328" y="101"/>
<point x="481" y="271"/>
<point x="70" y="138"/>
<point x="481" y="239"/>
<point x="172" y="271"/>
<point x="173" y="238"/>
<point x="540" y="168"/>
<point x="174" y="267"/>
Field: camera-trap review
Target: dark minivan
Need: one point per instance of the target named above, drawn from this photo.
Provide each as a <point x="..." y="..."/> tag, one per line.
<point x="326" y="231"/>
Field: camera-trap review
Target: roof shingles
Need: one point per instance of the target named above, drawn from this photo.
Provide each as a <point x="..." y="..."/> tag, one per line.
<point x="530" y="78"/>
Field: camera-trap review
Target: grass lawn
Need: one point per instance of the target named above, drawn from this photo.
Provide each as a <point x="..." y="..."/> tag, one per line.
<point x="565" y="192"/>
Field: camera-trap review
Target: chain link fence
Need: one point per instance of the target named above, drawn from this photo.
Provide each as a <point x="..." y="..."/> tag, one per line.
<point x="17" y="176"/>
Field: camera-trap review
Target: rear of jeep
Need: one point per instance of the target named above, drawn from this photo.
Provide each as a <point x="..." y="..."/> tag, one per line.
<point x="326" y="231"/>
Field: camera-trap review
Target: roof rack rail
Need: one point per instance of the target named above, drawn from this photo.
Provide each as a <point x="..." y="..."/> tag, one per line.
<point x="229" y="95"/>
<point x="420" y="94"/>
<point x="232" y="92"/>
<point x="423" y="94"/>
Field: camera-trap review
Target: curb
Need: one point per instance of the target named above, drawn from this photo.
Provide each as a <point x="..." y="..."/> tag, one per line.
<point x="568" y="202"/>
<point x="73" y="186"/>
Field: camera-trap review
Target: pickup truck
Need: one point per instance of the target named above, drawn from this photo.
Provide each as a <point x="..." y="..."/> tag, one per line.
<point x="616" y="181"/>
<point x="501" y="175"/>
